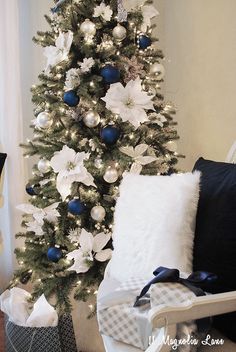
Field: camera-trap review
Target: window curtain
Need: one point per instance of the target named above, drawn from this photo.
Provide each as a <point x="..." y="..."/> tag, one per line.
<point x="11" y="134"/>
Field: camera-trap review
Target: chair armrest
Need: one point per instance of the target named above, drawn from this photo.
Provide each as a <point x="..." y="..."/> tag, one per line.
<point x="201" y="307"/>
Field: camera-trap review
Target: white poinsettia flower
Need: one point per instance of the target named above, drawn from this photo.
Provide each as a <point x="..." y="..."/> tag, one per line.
<point x="74" y="235"/>
<point x="69" y="166"/>
<point x="159" y="119"/>
<point x="148" y="12"/>
<point x="86" y="65"/>
<point x="81" y="261"/>
<point x="136" y="168"/>
<point x="139" y="159"/>
<point x="132" y="5"/>
<point x="129" y="102"/>
<point x="72" y="78"/>
<point x="59" y="52"/>
<point x="49" y="213"/>
<point x="103" y="11"/>
<point x="90" y="247"/>
<point x="36" y="227"/>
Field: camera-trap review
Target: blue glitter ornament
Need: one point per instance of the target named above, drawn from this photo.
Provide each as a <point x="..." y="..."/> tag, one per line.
<point x="71" y="98"/>
<point x="144" y="42"/>
<point x="76" y="207"/>
<point x="110" y="135"/>
<point x="32" y="190"/>
<point x="54" y="254"/>
<point x="110" y="74"/>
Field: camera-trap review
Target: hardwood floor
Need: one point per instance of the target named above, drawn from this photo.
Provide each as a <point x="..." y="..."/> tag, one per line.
<point x="2" y="349"/>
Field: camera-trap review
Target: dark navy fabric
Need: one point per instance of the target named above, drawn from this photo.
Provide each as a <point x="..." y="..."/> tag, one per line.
<point x="215" y="235"/>
<point x="2" y="160"/>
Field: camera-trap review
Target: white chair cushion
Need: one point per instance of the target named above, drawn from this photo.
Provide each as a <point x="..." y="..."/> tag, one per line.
<point x="154" y="224"/>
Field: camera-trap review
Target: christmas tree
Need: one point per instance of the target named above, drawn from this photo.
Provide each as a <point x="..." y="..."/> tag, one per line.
<point x="98" y="113"/>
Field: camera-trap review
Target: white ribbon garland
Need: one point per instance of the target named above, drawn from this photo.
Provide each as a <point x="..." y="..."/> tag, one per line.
<point x="122" y="13"/>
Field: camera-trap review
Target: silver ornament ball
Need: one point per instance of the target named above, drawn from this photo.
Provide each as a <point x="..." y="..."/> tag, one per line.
<point x="98" y="213"/>
<point x="91" y="119"/>
<point x="44" y="165"/>
<point x="111" y="175"/>
<point x="119" y="32"/>
<point x="157" y="70"/>
<point x="88" y="27"/>
<point x="43" y="120"/>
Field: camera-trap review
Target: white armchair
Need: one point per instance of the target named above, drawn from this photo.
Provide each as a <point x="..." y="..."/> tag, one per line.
<point x="167" y="318"/>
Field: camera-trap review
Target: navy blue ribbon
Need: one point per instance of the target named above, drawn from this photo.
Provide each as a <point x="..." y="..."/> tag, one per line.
<point x="197" y="282"/>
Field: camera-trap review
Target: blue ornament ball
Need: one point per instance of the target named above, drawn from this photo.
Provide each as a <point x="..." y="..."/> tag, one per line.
<point x="71" y="98"/>
<point x="144" y="41"/>
<point x="110" y="135"/>
<point x="110" y="74"/>
<point x="54" y="254"/>
<point x="76" y="207"/>
<point x="32" y="190"/>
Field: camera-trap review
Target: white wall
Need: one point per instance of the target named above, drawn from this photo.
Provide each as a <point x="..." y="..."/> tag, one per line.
<point x="199" y="39"/>
<point x="32" y="61"/>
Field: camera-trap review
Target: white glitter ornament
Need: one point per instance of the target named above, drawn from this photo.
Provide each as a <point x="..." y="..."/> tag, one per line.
<point x="119" y="33"/>
<point x="98" y="213"/>
<point x="88" y="28"/>
<point x="43" y="120"/>
<point x="44" y="165"/>
<point x="111" y="175"/>
<point x="91" y="119"/>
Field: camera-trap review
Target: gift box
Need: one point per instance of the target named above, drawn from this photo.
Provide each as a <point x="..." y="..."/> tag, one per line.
<point x="119" y="319"/>
<point x="169" y="294"/>
<point x="46" y="339"/>
<point x="37" y="328"/>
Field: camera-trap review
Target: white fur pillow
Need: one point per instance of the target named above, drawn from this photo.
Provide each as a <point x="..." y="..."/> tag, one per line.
<point x="154" y="224"/>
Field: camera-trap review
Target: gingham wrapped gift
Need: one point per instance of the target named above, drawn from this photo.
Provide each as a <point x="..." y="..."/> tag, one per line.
<point x="116" y="315"/>
<point x="121" y="320"/>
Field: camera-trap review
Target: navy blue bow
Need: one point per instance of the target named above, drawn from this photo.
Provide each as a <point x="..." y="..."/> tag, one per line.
<point x="197" y="282"/>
